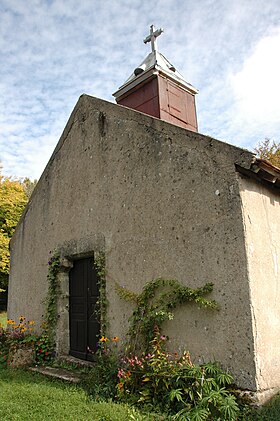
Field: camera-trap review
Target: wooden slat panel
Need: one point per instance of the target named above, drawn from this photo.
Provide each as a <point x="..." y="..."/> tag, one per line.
<point x="84" y="326"/>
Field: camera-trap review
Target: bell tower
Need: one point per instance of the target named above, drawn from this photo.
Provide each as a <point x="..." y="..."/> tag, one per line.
<point x="158" y="89"/>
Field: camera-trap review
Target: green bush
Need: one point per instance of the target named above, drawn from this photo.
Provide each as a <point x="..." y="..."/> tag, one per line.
<point x="20" y="335"/>
<point x="174" y="385"/>
<point x="100" y="383"/>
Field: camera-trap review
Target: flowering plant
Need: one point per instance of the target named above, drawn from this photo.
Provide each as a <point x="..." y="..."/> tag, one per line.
<point x="173" y="384"/>
<point x="101" y="381"/>
<point x="21" y="335"/>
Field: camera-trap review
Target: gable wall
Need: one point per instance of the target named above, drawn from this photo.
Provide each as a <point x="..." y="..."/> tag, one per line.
<point x="164" y="202"/>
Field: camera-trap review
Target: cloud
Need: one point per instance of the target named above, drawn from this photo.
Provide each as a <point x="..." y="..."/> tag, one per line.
<point x="256" y="86"/>
<point x="52" y="51"/>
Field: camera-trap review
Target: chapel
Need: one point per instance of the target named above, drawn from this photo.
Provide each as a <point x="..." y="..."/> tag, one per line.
<point x="136" y="182"/>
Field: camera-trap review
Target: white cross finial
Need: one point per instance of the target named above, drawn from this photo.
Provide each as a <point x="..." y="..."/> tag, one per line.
<point x="152" y="38"/>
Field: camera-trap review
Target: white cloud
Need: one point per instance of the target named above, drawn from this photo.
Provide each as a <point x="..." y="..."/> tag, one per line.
<point x="52" y="51"/>
<point x="257" y="85"/>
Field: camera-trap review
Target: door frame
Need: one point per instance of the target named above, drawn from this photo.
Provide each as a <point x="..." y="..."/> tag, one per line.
<point x="69" y="251"/>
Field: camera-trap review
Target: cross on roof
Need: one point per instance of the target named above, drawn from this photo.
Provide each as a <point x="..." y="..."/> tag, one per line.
<point x="153" y="36"/>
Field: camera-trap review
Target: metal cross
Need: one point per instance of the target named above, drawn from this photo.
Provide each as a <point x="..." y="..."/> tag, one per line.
<point x="153" y="36"/>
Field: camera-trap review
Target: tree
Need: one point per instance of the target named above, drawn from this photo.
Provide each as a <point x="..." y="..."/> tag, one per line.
<point x="28" y="186"/>
<point x="13" y="199"/>
<point x="270" y="151"/>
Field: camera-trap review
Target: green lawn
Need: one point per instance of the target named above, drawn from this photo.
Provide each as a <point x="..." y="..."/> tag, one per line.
<point x="29" y="396"/>
<point x="3" y="318"/>
<point x="26" y="396"/>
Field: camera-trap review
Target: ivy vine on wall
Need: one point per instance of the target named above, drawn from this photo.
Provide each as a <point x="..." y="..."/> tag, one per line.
<point x="155" y="305"/>
<point x="52" y="296"/>
<point x="102" y="302"/>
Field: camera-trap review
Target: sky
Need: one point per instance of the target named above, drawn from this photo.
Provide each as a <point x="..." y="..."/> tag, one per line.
<point x="52" y="51"/>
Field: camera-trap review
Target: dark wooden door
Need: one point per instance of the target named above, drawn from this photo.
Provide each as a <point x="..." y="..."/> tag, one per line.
<point x="84" y="326"/>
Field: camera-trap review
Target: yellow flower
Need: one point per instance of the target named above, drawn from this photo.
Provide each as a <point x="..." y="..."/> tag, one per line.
<point x="10" y="322"/>
<point x="31" y="322"/>
<point x="103" y="339"/>
<point x="115" y="339"/>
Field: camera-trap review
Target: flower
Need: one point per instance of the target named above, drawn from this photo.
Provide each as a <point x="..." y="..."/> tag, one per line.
<point x="10" y="322"/>
<point x="120" y="386"/>
<point x="115" y="339"/>
<point x="103" y="339"/>
<point x="31" y="322"/>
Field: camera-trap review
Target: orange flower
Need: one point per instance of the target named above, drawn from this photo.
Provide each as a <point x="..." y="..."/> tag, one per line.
<point x="31" y="322"/>
<point x="120" y="386"/>
<point x="103" y="339"/>
<point x="10" y="322"/>
<point x="115" y="339"/>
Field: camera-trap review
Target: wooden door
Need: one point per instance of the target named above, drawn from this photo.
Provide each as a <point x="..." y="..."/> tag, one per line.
<point x="84" y="326"/>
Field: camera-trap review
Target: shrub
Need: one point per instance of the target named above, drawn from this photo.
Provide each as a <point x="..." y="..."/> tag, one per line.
<point x="174" y="385"/>
<point x="20" y="335"/>
<point x="101" y="381"/>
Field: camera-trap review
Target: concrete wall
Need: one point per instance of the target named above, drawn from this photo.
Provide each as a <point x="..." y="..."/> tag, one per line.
<point x="261" y="209"/>
<point x="164" y="202"/>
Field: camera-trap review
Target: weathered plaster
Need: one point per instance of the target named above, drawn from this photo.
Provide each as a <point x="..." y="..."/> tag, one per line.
<point x="163" y="202"/>
<point x="261" y="209"/>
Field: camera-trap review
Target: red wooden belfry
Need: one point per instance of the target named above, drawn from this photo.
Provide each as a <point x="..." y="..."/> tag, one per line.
<point x="158" y="89"/>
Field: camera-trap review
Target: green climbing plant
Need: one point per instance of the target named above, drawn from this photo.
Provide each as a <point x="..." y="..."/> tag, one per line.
<point x="52" y="296"/>
<point x="102" y="302"/>
<point x="155" y="305"/>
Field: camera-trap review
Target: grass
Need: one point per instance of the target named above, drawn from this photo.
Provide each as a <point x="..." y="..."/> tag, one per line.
<point x="30" y="396"/>
<point x="269" y="412"/>
<point x="3" y="318"/>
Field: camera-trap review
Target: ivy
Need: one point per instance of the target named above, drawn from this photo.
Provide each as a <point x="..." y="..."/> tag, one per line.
<point x="102" y="302"/>
<point x="155" y="305"/>
<point x="52" y="297"/>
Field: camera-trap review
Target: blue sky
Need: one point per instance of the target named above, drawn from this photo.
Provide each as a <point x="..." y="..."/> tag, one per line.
<point x="53" y="51"/>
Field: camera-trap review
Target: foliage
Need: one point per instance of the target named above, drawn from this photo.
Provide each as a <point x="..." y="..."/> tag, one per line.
<point x="102" y="302"/>
<point x="101" y="381"/>
<point x="171" y="383"/>
<point x="43" y="350"/>
<point x="20" y="335"/>
<point x="52" y="297"/>
<point x="32" y="397"/>
<point x="270" y="151"/>
<point x="155" y="305"/>
<point x="3" y="319"/>
<point x="28" y="186"/>
<point x="13" y="199"/>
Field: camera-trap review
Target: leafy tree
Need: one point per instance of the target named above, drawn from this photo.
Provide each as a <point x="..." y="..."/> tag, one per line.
<point x="13" y="198"/>
<point x="28" y="186"/>
<point x="270" y="151"/>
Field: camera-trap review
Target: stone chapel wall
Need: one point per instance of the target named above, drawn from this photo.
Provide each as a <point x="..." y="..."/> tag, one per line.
<point x="163" y="202"/>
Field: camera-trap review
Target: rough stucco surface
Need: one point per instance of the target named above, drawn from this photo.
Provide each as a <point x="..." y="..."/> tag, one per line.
<point x="164" y="202"/>
<point x="261" y="208"/>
